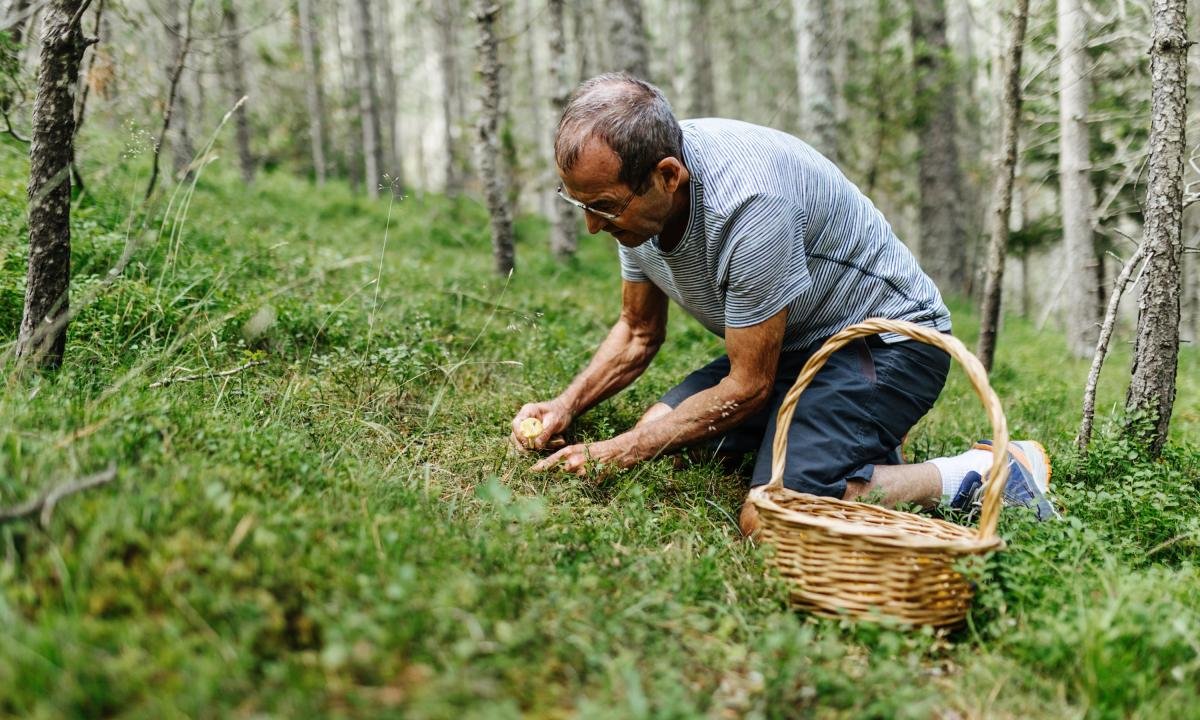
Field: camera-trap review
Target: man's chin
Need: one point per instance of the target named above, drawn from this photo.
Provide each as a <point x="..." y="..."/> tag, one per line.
<point x="628" y="238"/>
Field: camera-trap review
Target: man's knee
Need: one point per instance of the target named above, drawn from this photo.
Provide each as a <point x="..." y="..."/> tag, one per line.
<point x="655" y="411"/>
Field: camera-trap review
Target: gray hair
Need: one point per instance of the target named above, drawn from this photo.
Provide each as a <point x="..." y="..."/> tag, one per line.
<point x="629" y="115"/>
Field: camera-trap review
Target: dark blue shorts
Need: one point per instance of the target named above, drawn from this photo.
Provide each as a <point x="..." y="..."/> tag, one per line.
<point x="850" y="419"/>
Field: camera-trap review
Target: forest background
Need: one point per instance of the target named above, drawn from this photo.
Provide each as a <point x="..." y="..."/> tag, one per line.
<point x="293" y="348"/>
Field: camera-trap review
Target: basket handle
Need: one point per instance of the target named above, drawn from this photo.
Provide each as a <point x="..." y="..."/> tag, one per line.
<point x="998" y="473"/>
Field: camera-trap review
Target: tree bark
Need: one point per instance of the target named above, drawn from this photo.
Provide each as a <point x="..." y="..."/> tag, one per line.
<point x="393" y="163"/>
<point x="699" y="60"/>
<point x="942" y="247"/>
<point x="43" y="334"/>
<point x="1156" y="351"/>
<point x="182" y="148"/>
<point x="813" y="23"/>
<point x="368" y="98"/>
<point x="564" y="234"/>
<point x="452" y="106"/>
<point x="237" y="82"/>
<point x="314" y="88"/>
<point x="627" y="36"/>
<point x="580" y="21"/>
<point x="998" y="225"/>
<point x="172" y="93"/>
<point x="1076" y="190"/>
<point x="490" y="157"/>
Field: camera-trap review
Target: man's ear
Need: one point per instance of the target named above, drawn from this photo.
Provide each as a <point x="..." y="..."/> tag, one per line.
<point x="673" y="173"/>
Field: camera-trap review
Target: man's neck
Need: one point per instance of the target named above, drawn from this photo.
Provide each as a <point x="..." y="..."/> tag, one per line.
<point x="681" y="205"/>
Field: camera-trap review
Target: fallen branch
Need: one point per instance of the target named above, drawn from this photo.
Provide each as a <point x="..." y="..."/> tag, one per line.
<point x="43" y="505"/>
<point x="208" y="376"/>
<point x="1106" y="330"/>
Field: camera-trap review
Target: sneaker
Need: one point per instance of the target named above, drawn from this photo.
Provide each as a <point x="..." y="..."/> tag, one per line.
<point x="1028" y="480"/>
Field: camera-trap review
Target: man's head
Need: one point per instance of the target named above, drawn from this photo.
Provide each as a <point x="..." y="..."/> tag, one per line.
<point x="619" y="151"/>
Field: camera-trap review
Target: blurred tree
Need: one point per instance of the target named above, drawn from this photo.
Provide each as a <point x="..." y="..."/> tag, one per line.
<point x="182" y="148"/>
<point x="1156" y="352"/>
<point x="392" y="163"/>
<point x="453" y="107"/>
<point x="314" y="87"/>
<point x="813" y="21"/>
<point x="368" y="97"/>
<point x="563" y="236"/>
<point x="492" y="173"/>
<point x="42" y="337"/>
<point x="183" y="35"/>
<point x="1003" y="194"/>
<point x="235" y="74"/>
<point x="942" y="248"/>
<point x="699" y="60"/>
<point x="1079" y="271"/>
<point x="627" y="38"/>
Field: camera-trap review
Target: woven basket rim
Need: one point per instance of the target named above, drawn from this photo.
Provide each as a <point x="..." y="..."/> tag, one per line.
<point x="968" y="542"/>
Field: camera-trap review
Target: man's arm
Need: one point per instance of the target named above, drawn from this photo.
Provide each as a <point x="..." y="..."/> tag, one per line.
<point x="623" y="356"/>
<point x="753" y="358"/>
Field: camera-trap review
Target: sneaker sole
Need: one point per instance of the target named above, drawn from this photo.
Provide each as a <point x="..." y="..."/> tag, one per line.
<point x="1032" y="456"/>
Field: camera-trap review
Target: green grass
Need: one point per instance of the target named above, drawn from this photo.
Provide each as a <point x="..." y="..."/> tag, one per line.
<point x="341" y="532"/>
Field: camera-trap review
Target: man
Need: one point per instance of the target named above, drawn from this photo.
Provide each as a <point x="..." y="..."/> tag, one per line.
<point x="768" y="245"/>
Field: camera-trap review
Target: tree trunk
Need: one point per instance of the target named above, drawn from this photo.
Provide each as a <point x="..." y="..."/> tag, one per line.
<point x="451" y="103"/>
<point x="564" y="234"/>
<point x="540" y="161"/>
<point x="1156" y="351"/>
<point x="813" y="23"/>
<point x="942" y="241"/>
<point x="368" y="98"/>
<point x="490" y="159"/>
<point x="16" y="14"/>
<point x="1076" y="190"/>
<point x="627" y="38"/>
<point x="237" y="83"/>
<point x="349" y="140"/>
<point x="314" y="88"/>
<point x="580" y="21"/>
<point x="182" y="148"/>
<point x="43" y="334"/>
<point x="699" y="60"/>
<point x="393" y="164"/>
<point x="998" y="226"/>
<point x="172" y="93"/>
<point x="1191" y="277"/>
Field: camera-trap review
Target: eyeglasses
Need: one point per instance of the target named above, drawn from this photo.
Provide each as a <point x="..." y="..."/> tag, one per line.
<point x="589" y="209"/>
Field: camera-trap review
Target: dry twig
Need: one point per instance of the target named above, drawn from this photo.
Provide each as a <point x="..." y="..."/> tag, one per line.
<point x="43" y="504"/>
<point x="208" y="376"/>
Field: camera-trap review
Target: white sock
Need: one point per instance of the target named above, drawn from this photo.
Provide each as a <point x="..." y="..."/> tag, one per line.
<point x="954" y="469"/>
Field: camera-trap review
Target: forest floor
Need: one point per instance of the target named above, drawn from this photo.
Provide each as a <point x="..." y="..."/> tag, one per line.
<point x="342" y="531"/>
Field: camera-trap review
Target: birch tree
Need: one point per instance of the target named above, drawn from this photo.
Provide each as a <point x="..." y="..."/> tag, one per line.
<point x="490" y="156"/>
<point x="388" y="106"/>
<point x="182" y="148"/>
<point x="700" y="59"/>
<point x="452" y="105"/>
<point x="813" y="23"/>
<point x="627" y="38"/>
<point x="1003" y="192"/>
<point x="368" y="98"/>
<point x="563" y="235"/>
<point x="1156" y="351"/>
<point x="235" y="70"/>
<point x="1079" y="272"/>
<point x="314" y="88"/>
<point x="42" y="337"/>
<point x="943" y="243"/>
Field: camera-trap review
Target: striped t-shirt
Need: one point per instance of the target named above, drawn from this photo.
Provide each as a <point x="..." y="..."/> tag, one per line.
<point x="774" y="224"/>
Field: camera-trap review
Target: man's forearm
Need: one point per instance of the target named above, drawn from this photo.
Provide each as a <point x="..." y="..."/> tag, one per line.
<point x="621" y="358"/>
<point x="705" y="415"/>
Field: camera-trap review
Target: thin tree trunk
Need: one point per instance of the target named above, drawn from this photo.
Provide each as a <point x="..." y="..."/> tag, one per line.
<point x="943" y="241"/>
<point x="1191" y="277"/>
<point x="627" y="38"/>
<point x="237" y="82"/>
<point x="1076" y="190"/>
<point x="813" y="23"/>
<point x="352" y="160"/>
<point x="563" y="237"/>
<point x="1156" y="351"/>
<point x="451" y="107"/>
<point x="172" y="92"/>
<point x="580" y="20"/>
<point x="368" y="99"/>
<point x="81" y="101"/>
<point x="17" y="15"/>
<point x="393" y="163"/>
<point x="314" y="88"/>
<point x="182" y="149"/>
<point x="490" y="157"/>
<point x="42" y="337"/>
<point x="703" y="85"/>
<point x="998" y="227"/>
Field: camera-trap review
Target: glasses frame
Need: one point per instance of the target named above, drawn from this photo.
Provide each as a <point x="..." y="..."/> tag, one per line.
<point x="589" y="209"/>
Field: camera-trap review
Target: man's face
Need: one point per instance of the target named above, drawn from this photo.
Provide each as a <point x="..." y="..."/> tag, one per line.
<point x="593" y="181"/>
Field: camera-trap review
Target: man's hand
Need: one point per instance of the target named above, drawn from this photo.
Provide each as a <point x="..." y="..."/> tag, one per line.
<point x="576" y="458"/>
<point x="554" y="416"/>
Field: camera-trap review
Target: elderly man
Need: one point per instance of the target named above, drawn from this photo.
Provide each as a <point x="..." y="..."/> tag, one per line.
<point x="768" y="245"/>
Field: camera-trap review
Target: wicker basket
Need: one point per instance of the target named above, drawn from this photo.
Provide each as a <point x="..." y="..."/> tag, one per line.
<point x="850" y="558"/>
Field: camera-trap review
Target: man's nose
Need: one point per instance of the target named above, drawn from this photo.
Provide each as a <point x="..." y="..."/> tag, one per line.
<point x="595" y="223"/>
